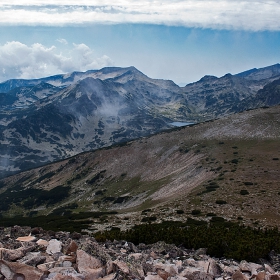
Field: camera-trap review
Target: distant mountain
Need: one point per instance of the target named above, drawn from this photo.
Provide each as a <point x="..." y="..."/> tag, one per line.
<point x="269" y="95"/>
<point x="64" y="79"/>
<point x="265" y="73"/>
<point x="48" y="119"/>
<point x="20" y="97"/>
<point x="47" y="122"/>
<point x="214" y="97"/>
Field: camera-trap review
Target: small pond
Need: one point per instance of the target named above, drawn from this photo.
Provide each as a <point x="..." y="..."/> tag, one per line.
<point x="178" y="124"/>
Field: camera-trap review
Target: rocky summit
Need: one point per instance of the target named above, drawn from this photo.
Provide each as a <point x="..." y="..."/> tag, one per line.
<point x="34" y="254"/>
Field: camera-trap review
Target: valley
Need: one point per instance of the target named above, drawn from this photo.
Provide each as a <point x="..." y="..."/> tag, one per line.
<point x="220" y="168"/>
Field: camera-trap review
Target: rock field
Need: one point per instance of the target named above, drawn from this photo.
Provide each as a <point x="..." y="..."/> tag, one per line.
<point x="35" y="254"/>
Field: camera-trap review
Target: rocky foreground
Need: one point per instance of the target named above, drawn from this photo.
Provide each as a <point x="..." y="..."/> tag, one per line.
<point x="35" y="254"/>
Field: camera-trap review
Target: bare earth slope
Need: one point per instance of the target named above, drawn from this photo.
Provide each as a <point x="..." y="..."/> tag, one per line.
<point x="227" y="167"/>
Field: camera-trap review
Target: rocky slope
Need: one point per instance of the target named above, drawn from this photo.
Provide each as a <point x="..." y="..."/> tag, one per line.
<point x="37" y="254"/>
<point x="227" y="167"/>
<point x="56" y="117"/>
<point x="215" y="97"/>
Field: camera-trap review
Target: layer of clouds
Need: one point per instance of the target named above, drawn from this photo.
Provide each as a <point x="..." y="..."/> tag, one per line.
<point x="251" y="15"/>
<point x="18" y="60"/>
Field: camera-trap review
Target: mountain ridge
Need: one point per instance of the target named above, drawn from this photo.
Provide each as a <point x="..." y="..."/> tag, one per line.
<point x="62" y="115"/>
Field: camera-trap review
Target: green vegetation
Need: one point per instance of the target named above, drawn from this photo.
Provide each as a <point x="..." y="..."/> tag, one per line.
<point x="146" y="210"/>
<point x="30" y="198"/>
<point x="222" y="238"/>
<point x="220" y="201"/>
<point x="196" y="212"/>
<point x="213" y="186"/>
<point x="244" y="192"/>
<point x="248" y="183"/>
<point x="59" y="219"/>
<point x="210" y="214"/>
<point x="43" y="177"/>
<point x="96" y="177"/>
<point x="184" y="150"/>
<point x="149" y="219"/>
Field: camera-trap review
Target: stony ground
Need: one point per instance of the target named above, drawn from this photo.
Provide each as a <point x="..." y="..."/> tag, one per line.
<point x="35" y="254"/>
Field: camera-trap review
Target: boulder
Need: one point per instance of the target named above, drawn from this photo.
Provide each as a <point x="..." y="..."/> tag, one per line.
<point x="136" y="256"/>
<point x="54" y="246"/>
<point x="28" y="238"/>
<point x="245" y="266"/>
<point x="67" y="264"/>
<point x="256" y="268"/>
<point x="269" y="269"/>
<point x="69" y="258"/>
<point x="122" y="266"/>
<point x="84" y="261"/>
<point x="108" y="277"/>
<point x="194" y="273"/>
<point x="92" y="274"/>
<point x="153" y="277"/>
<point x="46" y="266"/>
<point x="71" y="247"/>
<point x="273" y="277"/>
<point x="90" y="246"/>
<point x="34" y="261"/>
<point x="163" y="274"/>
<point x="14" y="270"/>
<point x="210" y="267"/>
<point x="239" y="276"/>
<point x="260" y="276"/>
<point x="177" y="277"/>
<point x="65" y="273"/>
<point x="13" y="255"/>
<point x="42" y="242"/>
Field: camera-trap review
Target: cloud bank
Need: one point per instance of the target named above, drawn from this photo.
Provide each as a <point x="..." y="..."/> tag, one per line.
<point x="252" y="15"/>
<point x="18" y="60"/>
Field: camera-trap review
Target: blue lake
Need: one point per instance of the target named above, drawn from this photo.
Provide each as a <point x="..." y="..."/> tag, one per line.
<point x="181" y="123"/>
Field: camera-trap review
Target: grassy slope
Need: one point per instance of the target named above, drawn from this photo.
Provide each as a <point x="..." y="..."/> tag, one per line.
<point x="167" y="172"/>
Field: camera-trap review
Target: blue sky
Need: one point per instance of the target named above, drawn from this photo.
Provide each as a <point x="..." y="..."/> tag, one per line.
<point x="169" y="39"/>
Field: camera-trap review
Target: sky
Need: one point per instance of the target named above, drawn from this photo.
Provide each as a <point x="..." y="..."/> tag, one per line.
<point x="180" y="40"/>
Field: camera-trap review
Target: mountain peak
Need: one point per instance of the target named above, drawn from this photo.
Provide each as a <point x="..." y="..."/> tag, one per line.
<point x="257" y="74"/>
<point x="208" y="78"/>
<point x="228" y="75"/>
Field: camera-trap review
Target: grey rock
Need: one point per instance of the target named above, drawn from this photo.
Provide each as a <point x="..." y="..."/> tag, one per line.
<point x="54" y="247"/>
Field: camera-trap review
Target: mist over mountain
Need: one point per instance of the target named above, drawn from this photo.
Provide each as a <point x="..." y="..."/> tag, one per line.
<point x="48" y="119"/>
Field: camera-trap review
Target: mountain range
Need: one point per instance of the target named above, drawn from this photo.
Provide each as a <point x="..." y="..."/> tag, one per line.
<point x="53" y="118"/>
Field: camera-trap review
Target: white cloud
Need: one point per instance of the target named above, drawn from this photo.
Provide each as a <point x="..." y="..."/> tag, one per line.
<point x="251" y="15"/>
<point x="62" y="41"/>
<point x="18" y="60"/>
